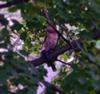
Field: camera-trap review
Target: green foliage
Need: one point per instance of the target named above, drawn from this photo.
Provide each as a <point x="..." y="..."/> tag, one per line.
<point x="83" y="77"/>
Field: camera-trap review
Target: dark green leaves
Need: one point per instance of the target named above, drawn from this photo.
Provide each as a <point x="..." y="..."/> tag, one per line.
<point x="83" y="76"/>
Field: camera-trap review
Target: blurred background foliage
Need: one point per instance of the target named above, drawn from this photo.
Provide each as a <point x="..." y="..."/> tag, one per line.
<point x="83" y="77"/>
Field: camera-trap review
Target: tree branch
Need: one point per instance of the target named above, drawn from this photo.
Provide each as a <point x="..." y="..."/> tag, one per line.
<point x="55" y="88"/>
<point x="56" y="53"/>
<point x="12" y="3"/>
<point x="61" y="50"/>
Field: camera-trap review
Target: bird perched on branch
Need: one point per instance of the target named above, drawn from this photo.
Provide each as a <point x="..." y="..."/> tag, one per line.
<point x="50" y="43"/>
<point x="50" y="40"/>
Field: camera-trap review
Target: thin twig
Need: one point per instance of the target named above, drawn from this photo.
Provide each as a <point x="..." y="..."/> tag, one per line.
<point x="65" y="63"/>
<point x="52" y="25"/>
<point x="21" y="55"/>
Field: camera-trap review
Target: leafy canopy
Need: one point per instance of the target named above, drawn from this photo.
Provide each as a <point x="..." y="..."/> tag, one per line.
<point x="83" y="76"/>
